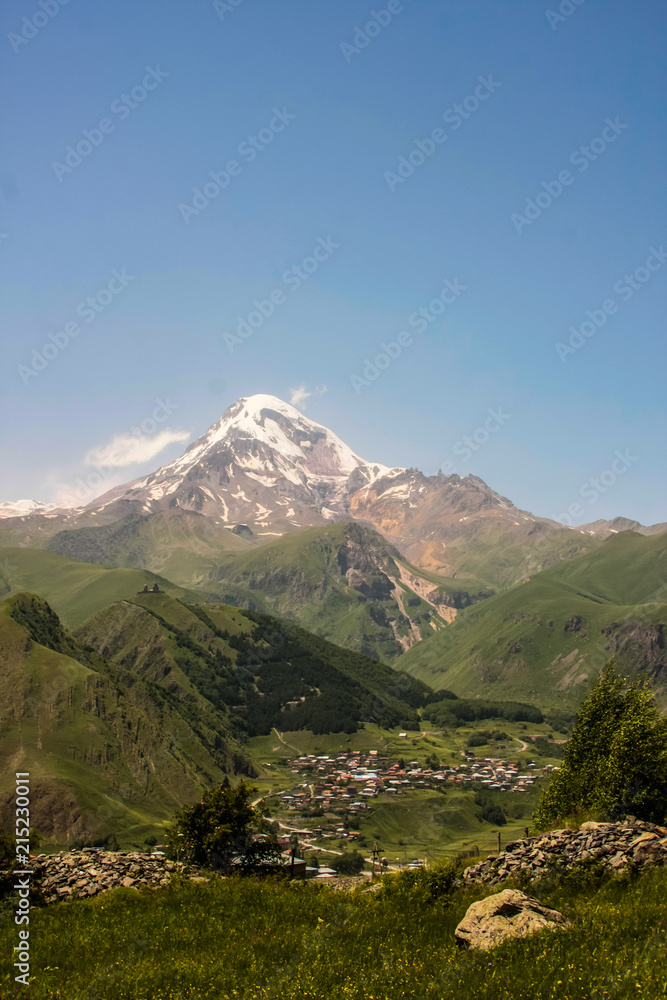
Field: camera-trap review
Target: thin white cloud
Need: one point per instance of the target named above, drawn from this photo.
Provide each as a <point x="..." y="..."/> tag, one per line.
<point x="299" y="395"/>
<point x="128" y="449"/>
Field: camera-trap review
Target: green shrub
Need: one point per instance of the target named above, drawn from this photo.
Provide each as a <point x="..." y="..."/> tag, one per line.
<point x="615" y="762"/>
<point x="422" y="885"/>
<point x="220" y="830"/>
<point x="349" y="863"/>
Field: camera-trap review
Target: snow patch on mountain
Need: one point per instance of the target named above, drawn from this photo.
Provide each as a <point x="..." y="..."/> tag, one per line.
<point x="23" y="508"/>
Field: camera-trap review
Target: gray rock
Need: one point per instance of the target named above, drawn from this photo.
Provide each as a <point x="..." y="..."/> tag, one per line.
<point x="508" y="914"/>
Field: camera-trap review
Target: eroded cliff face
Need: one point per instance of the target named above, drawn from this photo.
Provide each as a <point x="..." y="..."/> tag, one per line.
<point x="640" y="647"/>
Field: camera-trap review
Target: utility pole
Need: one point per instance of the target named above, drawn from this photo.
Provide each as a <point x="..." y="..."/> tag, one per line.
<point x="375" y="854"/>
<point x="294" y="846"/>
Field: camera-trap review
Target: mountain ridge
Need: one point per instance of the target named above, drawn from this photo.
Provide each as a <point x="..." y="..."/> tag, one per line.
<point x="264" y="471"/>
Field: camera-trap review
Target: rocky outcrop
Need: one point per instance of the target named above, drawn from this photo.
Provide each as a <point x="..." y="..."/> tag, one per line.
<point x="508" y="914"/>
<point x="88" y="872"/>
<point x="637" y="646"/>
<point x="617" y="845"/>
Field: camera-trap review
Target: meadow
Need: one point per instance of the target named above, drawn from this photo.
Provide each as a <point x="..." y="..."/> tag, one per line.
<point x="241" y="939"/>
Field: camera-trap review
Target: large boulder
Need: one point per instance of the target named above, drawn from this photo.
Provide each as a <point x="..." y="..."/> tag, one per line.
<point x="508" y="914"/>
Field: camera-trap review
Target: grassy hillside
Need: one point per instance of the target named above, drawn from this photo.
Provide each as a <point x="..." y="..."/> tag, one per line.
<point x="108" y="752"/>
<point x="75" y="590"/>
<point x="545" y="641"/>
<point x="341" y="581"/>
<point x="250" y="940"/>
<point x="500" y="556"/>
<point x="273" y="673"/>
<point x="181" y="545"/>
<point x="126" y="719"/>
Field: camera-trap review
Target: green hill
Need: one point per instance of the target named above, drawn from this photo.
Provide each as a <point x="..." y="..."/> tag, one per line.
<point x="345" y="582"/>
<point x="75" y="590"/>
<point x="545" y="641"/>
<point x="124" y="720"/>
<point x="272" y="673"/>
<point x="341" y="581"/>
<point x="181" y="545"/>
<point x="108" y="751"/>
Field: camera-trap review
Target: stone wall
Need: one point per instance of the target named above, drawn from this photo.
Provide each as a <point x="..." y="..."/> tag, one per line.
<point x="617" y="845"/>
<point x="89" y="872"/>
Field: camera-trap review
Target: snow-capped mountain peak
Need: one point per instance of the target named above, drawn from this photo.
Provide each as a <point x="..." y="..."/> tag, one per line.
<point x="261" y="463"/>
<point x="282" y="429"/>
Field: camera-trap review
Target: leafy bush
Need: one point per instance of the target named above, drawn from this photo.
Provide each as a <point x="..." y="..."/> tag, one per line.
<point x="422" y="885"/>
<point x="615" y="762"/>
<point x="349" y="863"/>
<point x="478" y="739"/>
<point x="220" y="831"/>
<point x="493" y="814"/>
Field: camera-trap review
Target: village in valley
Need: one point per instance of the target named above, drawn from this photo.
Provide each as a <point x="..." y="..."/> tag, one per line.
<point x="334" y="795"/>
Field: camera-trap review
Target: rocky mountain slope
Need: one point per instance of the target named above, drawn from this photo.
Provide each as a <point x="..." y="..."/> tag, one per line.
<point x="342" y="581"/>
<point x="345" y="582"/>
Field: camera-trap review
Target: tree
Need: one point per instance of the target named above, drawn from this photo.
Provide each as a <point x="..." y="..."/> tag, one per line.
<point x="349" y="863"/>
<point x="615" y="762"/>
<point x="222" y="829"/>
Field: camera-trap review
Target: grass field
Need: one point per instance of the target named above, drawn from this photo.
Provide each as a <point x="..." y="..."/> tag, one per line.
<point x="235" y="939"/>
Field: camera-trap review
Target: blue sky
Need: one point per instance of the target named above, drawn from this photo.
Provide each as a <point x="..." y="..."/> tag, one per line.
<point x="334" y="111"/>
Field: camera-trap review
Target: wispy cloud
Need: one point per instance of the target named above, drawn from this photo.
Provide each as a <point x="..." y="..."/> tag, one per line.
<point x="301" y="394"/>
<point x="128" y="449"/>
